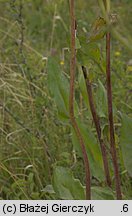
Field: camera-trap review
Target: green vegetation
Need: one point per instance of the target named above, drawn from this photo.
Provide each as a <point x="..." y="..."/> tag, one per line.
<point x="40" y="155"/>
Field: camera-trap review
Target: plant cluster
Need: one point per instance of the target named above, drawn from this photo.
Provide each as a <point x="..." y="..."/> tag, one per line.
<point x="65" y="100"/>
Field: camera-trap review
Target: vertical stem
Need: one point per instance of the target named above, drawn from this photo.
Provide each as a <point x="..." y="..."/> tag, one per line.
<point x="20" y="20"/>
<point x="97" y="126"/>
<point x="53" y="28"/>
<point x="71" y="101"/>
<point x="110" y="108"/>
<point x="110" y="116"/>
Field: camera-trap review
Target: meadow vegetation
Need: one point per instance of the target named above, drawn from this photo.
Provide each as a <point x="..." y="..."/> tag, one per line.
<point x="40" y="156"/>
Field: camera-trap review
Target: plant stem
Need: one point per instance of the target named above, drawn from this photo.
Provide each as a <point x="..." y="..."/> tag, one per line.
<point x="71" y="101"/>
<point x="110" y="116"/>
<point x="53" y="28"/>
<point x="110" y="108"/>
<point x="97" y="126"/>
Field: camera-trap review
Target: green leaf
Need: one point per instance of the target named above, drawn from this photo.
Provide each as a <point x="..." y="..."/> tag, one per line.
<point x="82" y="87"/>
<point x="66" y="186"/>
<point x="101" y="100"/>
<point x="92" y="148"/>
<point x="100" y="193"/>
<point x="126" y="142"/>
<point x="98" y="30"/>
<point x="35" y="196"/>
<point x="98" y="24"/>
<point x="88" y="52"/>
<point x="59" y="88"/>
<point x="49" y="189"/>
<point x="69" y="188"/>
<point x="78" y="45"/>
<point x="97" y="36"/>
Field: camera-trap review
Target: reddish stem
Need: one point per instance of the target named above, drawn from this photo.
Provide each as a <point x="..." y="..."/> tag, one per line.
<point x="71" y="101"/>
<point x="110" y="117"/>
<point x="97" y="125"/>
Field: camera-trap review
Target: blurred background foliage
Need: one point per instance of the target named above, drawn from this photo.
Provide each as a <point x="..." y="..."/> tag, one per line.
<point x="33" y="140"/>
